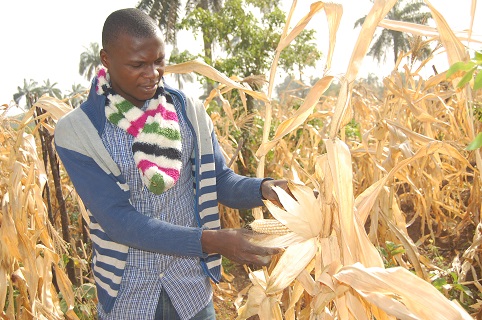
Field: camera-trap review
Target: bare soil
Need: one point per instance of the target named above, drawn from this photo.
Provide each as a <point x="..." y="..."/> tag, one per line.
<point x="234" y="281"/>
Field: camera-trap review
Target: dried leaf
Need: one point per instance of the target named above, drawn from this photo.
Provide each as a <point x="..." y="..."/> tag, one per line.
<point x="400" y="293"/>
<point x="3" y="286"/>
<point x="300" y="26"/>
<point x="65" y="287"/>
<point x="302" y="216"/>
<point x="334" y="13"/>
<point x="377" y="13"/>
<point x="53" y="106"/>
<point x="423" y="30"/>
<point x="300" y="115"/>
<point x="208" y="71"/>
<point x="455" y="49"/>
<point x="286" y="271"/>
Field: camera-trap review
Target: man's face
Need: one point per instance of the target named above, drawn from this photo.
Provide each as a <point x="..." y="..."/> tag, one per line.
<point x="135" y="65"/>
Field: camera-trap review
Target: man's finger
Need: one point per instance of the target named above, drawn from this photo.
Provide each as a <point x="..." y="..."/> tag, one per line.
<point x="257" y="259"/>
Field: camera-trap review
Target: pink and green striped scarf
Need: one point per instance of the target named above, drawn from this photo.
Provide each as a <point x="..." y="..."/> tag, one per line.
<point x="157" y="141"/>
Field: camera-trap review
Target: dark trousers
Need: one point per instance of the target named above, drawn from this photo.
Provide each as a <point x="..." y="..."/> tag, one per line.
<point x="165" y="310"/>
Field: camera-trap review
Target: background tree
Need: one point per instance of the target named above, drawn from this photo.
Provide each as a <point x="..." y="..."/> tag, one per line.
<point x="247" y="44"/>
<point x="408" y="11"/>
<point x="50" y="89"/>
<point x="301" y="54"/>
<point x="247" y="34"/>
<point x="178" y="57"/>
<point x="30" y="91"/>
<point x="291" y="87"/>
<point x="89" y="60"/>
<point x="166" y="13"/>
<point x="76" y="95"/>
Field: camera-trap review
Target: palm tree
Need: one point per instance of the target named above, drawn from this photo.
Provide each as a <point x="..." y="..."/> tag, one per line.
<point x="89" y="61"/>
<point x="166" y="12"/>
<point x="77" y="94"/>
<point x="30" y="91"/>
<point x="410" y="12"/>
<point x="50" y="89"/>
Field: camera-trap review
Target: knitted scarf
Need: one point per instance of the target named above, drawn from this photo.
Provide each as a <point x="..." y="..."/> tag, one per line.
<point x="157" y="138"/>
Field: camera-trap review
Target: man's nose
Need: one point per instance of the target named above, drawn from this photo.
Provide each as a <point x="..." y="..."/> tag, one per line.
<point x="151" y="72"/>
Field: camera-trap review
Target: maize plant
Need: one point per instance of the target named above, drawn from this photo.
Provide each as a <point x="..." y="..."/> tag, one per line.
<point x="329" y="256"/>
<point x="330" y="268"/>
<point x="33" y="278"/>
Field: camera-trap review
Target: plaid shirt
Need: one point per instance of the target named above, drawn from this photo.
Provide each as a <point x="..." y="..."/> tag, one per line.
<point x="147" y="273"/>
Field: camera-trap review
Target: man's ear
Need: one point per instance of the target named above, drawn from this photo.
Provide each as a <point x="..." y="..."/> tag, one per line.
<point x="104" y="58"/>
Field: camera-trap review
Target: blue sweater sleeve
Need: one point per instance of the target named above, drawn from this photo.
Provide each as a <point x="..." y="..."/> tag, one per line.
<point x="111" y="209"/>
<point x="234" y="190"/>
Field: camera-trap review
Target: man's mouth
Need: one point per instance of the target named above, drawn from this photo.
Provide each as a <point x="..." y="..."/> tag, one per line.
<point x="149" y="88"/>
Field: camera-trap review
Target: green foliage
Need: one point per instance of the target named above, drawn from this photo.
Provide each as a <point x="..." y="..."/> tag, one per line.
<point x="179" y="57"/>
<point x="86" y="293"/>
<point x="301" y="53"/>
<point x="470" y="70"/>
<point x="389" y="252"/>
<point x="352" y="130"/>
<point x="248" y="43"/>
<point x="86" y="298"/>
<point x="227" y="264"/>
<point x="450" y="286"/>
<point x="476" y="143"/>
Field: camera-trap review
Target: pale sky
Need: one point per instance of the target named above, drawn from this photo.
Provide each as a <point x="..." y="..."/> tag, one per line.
<point x="44" y="39"/>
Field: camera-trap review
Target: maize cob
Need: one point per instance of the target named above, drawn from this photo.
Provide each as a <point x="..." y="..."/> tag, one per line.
<point x="269" y="226"/>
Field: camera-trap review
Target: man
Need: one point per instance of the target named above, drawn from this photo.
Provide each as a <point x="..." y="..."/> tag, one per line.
<point x="145" y="161"/>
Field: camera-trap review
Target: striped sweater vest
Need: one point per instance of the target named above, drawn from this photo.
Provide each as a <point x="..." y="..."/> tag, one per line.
<point x="78" y="133"/>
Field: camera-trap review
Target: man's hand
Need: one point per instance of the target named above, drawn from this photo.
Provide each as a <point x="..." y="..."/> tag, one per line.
<point x="269" y="194"/>
<point x="234" y="244"/>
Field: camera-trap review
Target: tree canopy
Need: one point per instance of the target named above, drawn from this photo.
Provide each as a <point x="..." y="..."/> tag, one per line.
<point x="246" y="34"/>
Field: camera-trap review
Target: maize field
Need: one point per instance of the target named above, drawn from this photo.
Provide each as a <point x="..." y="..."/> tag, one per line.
<point x="382" y="224"/>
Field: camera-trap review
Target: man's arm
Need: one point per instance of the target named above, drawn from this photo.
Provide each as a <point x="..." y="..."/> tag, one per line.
<point x="119" y="219"/>
<point x="234" y="244"/>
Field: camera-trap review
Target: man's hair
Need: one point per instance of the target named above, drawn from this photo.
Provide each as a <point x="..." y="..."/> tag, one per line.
<point x="131" y="21"/>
